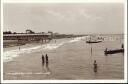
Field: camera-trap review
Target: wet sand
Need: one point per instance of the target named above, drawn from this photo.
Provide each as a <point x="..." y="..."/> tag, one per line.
<point x="71" y="61"/>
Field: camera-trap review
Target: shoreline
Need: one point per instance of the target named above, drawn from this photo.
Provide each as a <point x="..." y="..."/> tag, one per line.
<point x="67" y="62"/>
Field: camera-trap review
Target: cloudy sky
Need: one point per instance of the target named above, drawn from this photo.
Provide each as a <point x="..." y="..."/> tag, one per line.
<point x="77" y="18"/>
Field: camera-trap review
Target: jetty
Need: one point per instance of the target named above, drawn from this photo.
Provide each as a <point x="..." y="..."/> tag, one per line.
<point x="27" y="37"/>
<point x="93" y="41"/>
<point x="114" y="51"/>
<point x="18" y="39"/>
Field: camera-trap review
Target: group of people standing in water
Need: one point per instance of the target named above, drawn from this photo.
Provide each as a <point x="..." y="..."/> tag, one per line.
<point x="45" y="60"/>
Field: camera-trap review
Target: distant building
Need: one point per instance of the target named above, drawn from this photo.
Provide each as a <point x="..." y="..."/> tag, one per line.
<point x="28" y="31"/>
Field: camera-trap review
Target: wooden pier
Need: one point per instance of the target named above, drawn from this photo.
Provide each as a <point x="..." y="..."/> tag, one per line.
<point x="27" y="37"/>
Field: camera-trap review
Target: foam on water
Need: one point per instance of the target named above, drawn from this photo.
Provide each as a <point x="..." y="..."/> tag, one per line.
<point x="52" y="46"/>
<point x="76" y="39"/>
<point x="9" y="55"/>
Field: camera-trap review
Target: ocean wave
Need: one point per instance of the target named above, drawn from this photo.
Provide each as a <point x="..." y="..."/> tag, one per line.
<point x="52" y="46"/>
<point x="76" y="39"/>
<point x="9" y="55"/>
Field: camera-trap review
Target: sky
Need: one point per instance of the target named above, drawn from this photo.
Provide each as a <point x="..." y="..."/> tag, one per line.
<point x="92" y="1"/>
<point x="71" y="18"/>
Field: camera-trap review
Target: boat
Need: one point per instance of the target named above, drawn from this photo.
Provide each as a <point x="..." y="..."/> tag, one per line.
<point x="97" y="41"/>
<point x="114" y="51"/>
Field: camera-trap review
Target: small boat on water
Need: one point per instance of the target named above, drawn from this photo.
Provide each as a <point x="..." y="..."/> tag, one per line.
<point x="114" y="51"/>
<point x="97" y="41"/>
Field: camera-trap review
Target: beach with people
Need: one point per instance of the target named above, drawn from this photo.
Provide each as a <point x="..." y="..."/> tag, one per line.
<point x="68" y="59"/>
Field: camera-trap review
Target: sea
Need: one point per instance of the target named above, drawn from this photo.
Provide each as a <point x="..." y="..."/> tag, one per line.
<point x="110" y="66"/>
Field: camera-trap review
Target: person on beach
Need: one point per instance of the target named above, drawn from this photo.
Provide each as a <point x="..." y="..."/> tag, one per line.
<point x="43" y="61"/>
<point x="19" y="48"/>
<point x="46" y="60"/>
<point x="95" y="66"/>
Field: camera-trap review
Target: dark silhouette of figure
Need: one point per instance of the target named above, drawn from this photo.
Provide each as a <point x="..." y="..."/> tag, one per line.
<point x="46" y="60"/>
<point x="95" y="66"/>
<point x="43" y="61"/>
<point x="47" y="63"/>
<point x="19" y="48"/>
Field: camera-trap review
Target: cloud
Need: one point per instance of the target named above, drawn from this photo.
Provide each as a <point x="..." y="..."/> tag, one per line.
<point x="89" y="16"/>
<point x="73" y="15"/>
<point x="56" y="14"/>
<point x="84" y="13"/>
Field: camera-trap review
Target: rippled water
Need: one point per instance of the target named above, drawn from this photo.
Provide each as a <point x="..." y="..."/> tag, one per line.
<point x="9" y="55"/>
<point x="72" y="59"/>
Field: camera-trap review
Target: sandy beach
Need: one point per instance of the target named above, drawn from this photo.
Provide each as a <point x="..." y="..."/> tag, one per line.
<point x="70" y="61"/>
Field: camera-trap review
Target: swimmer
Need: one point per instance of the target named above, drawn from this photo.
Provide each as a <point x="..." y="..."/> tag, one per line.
<point x="95" y="66"/>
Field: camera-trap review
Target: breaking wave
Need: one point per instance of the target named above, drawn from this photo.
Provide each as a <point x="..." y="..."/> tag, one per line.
<point x="9" y="55"/>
